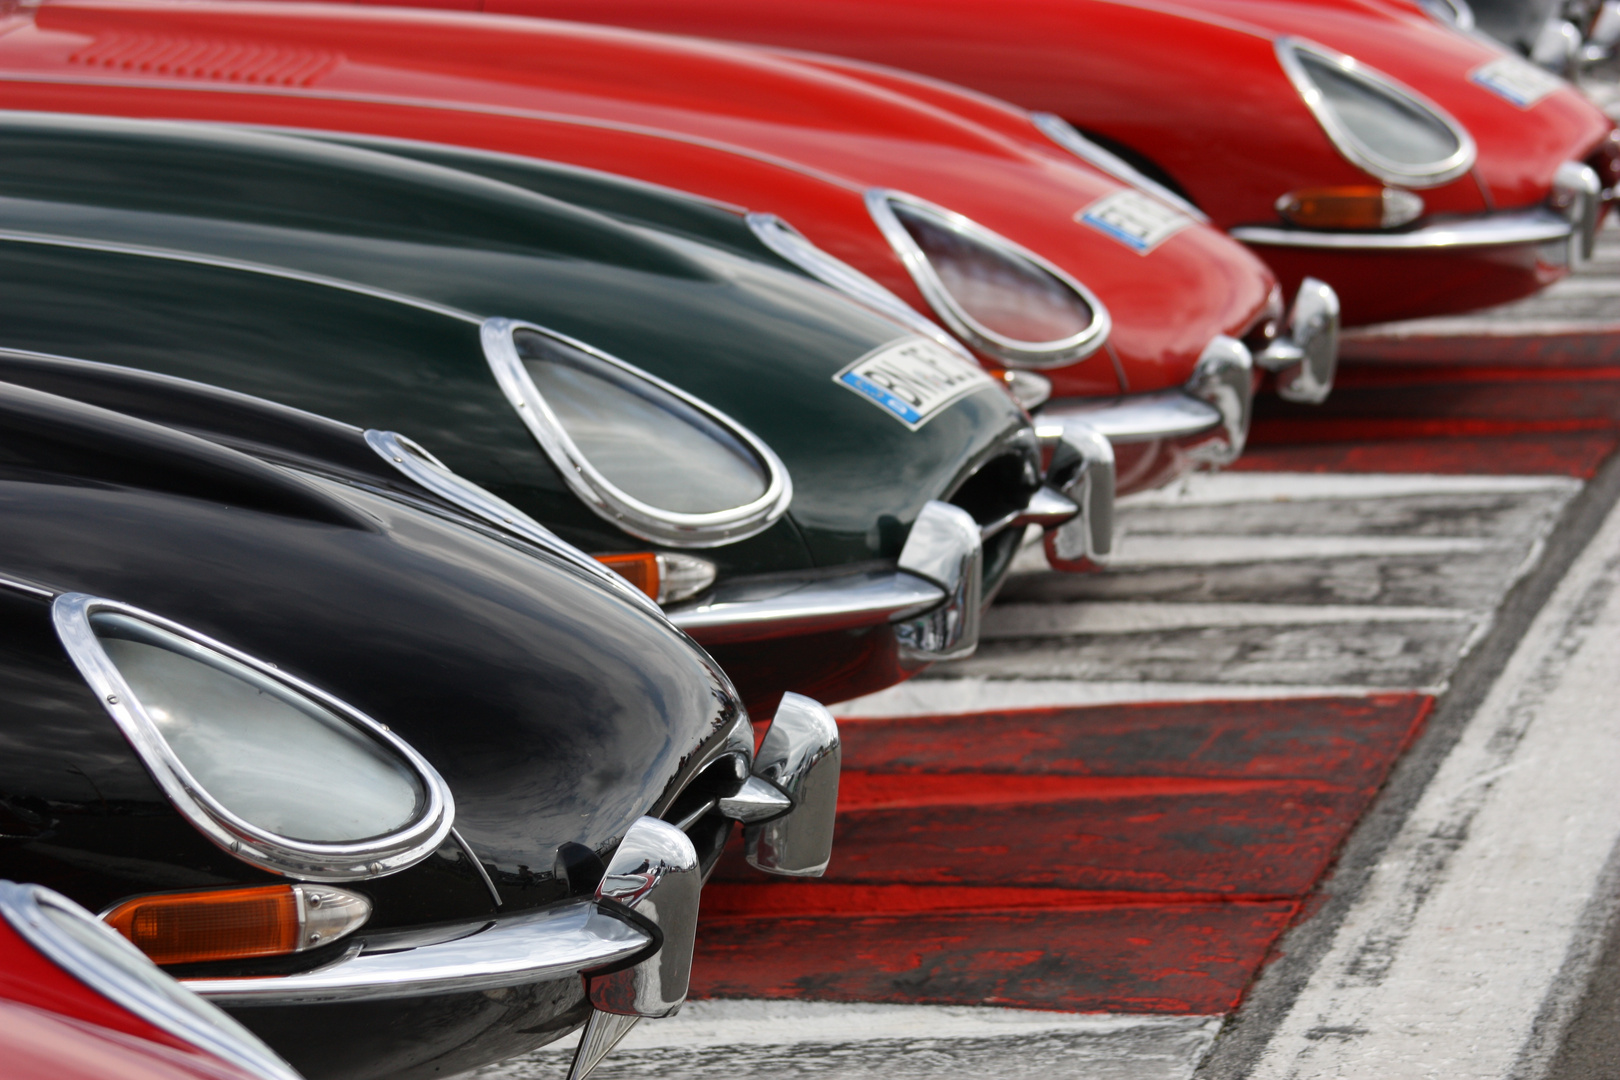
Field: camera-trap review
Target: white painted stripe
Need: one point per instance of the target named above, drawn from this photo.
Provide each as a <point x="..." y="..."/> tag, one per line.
<point x="787" y="1023"/>
<point x="1442" y="964"/>
<point x="1584" y="286"/>
<point x="1133" y="617"/>
<point x="1209" y="489"/>
<point x="757" y="1040"/>
<point x="953" y="697"/>
<point x="1138" y="551"/>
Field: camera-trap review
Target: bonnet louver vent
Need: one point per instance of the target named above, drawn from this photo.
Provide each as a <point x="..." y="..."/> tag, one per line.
<point x="197" y="58"/>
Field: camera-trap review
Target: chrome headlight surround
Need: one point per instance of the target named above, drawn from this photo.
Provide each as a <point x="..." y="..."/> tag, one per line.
<point x="1350" y="145"/>
<point x="97" y="956"/>
<point x="1010" y="351"/>
<point x="595" y="490"/>
<point x="299" y="859"/>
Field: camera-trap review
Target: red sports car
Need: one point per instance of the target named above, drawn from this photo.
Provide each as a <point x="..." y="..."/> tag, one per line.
<point x="1145" y="321"/>
<point x="1416" y="169"/>
<point x="78" y="1002"/>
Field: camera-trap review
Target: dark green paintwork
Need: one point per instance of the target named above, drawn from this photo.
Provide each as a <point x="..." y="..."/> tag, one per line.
<point x="757" y="342"/>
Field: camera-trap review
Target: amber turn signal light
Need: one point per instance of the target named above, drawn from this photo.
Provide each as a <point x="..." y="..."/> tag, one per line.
<point x="237" y="924"/>
<point x="639" y="568"/>
<point x="664" y="576"/>
<point x="1352" y="207"/>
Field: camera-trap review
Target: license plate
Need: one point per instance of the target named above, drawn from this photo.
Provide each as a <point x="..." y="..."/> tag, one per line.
<point x="1516" y="80"/>
<point x="1138" y="221"/>
<point x="912" y="379"/>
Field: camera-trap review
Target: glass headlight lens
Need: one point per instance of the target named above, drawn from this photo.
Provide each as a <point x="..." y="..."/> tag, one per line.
<point x="1379" y="125"/>
<point x="1003" y="300"/>
<point x="273" y="770"/>
<point x="275" y="758"/>
<point x="649" y="457"/>
<point x="648" y="442"/>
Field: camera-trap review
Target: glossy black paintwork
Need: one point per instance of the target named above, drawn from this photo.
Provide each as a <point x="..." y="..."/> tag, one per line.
<point x="557" y="710"/>
<point x="760" y="343"/>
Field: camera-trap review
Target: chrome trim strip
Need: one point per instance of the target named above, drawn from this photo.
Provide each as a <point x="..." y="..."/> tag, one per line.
<point x="534" y="946"/>
<point x="759" y="611"/>
<point x="1347" y="143"/>
<point x="1063" y="133"/>
<point x="1035" y="354"/>
<point x="1165" y="414"/>
<point x="472" y="857"/>
<point x="431" y="473"/>
<point x="172" y="255"/>
<point x="24" y="587"/>
<point x="300" y="859"/>
<point x="1577" y="193"/>
<point x="796" y="248"/>
<point x="601" y="494"/>
<point x="1536" y="226"/>
<point x="157" y="999"/>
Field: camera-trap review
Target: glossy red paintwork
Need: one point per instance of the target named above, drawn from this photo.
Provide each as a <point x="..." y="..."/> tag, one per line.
<point x="1197" y="89"/>
<point x="731" y="123"/>
<point x="54" y="1027"/>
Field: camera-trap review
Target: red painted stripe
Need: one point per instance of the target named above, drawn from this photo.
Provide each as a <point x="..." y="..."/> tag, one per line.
<point x="1596" y="346"/>
<point x="1273" y="842"/>
<point x="861" y="791"/>
<point x="1348" y="740"/>
<point x="1577" y="455"/>
<point x="778" y="899"/>
<point x="1345" y="429"/>
<point x="1376" y="376"/>
<point x="1194" y="958"/>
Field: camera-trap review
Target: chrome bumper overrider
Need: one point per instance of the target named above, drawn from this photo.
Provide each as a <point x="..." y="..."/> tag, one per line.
<point x="1209" y="416"/>
<point x="787" y="807"/>
<point x="1571" y="215"/>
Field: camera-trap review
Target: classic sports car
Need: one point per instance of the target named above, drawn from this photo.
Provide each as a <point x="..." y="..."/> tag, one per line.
<point x="347" y="744"/>
<point x="78" y="1002"/>
<point x="821" y="497"/>
<point x="1416" y="170"/>
<point x="1139" y="317"/>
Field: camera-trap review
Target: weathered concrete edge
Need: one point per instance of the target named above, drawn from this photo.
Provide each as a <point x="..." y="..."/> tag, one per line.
<point x="1297" y="954"/>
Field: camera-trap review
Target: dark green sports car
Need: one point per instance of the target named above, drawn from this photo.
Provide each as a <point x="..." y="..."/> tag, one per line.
<point x="821" y="495"/>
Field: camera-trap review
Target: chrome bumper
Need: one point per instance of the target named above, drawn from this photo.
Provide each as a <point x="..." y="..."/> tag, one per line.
<point x="787" y="807"/>
<point x="932" y="597"/>
<point x="535" y="946"/>
<point x="1209" y="416"/>
<point x="1571" y="215"/>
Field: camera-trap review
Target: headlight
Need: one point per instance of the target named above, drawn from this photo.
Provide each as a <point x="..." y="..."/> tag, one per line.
<point x="1002" y="299"/>
<point x="273" y="770"/>
<point x="643" y="454"/>
<point x="1376" y="123"/>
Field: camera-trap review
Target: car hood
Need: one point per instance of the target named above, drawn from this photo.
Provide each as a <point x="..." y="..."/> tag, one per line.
<point x="725" y="121"/>
<point x="187" y="250"/>
<point x="558" y="711"/>
<point x="1195" y="88"/>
